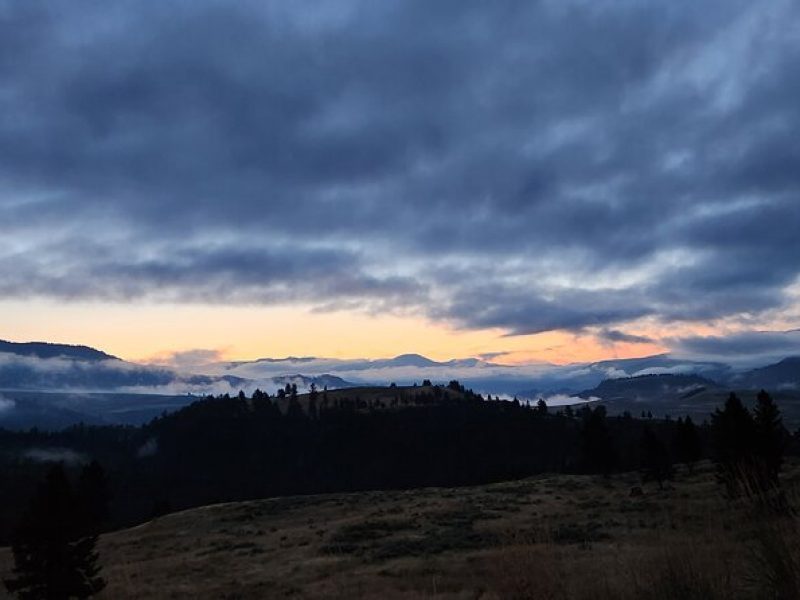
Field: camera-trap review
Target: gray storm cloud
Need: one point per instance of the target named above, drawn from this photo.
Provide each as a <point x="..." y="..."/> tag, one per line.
<point x="454" y="160"/>
<point x="746" y="348"/>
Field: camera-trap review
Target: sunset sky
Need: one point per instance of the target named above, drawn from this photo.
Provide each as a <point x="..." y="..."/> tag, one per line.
<point x="528" y="181"/>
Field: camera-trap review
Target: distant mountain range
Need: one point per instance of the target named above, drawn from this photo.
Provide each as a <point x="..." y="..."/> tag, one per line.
<point x="73" y="370"/>
<point x="698" y="396"/>
<point x="60" y="367"/>
<point x="783" y="376"/>
<point x="54" y="385"/>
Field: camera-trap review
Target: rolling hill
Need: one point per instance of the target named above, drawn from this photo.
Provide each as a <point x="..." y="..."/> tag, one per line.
<point x="48" y="350"/>
<point x="650" y="387"/>
<point x="541" y="537"/>
<point x="681" y="395"/>
<point x="783" y="375"/>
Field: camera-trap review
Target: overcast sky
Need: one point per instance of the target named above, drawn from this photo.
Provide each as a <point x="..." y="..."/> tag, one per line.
<point x="623" y="175"/>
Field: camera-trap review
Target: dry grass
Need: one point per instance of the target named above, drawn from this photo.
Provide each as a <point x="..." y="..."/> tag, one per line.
<point x="556" y="537"/>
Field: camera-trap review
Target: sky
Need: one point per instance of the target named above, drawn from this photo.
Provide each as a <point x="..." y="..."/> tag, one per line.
<point x="532" y="181"/>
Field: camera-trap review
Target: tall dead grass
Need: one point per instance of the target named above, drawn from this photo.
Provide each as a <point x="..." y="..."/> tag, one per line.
<point x="749" y="553"/>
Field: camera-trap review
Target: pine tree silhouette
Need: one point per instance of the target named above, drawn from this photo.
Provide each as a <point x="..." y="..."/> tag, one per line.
<point x="733" y="434"/>
<point x="93" y="497"/>
<point x="597" y="447"/>
<point x="54" y="555"/>
<point x="769" y="438"/>
<point x="313" y="411"/>
<point x="294" y="410"/>
<point x="656" y="463"/>
<point x="686" y="443"/>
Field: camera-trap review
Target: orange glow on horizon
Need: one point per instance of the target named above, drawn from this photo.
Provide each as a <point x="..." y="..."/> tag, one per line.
<point x="150" y="332"/>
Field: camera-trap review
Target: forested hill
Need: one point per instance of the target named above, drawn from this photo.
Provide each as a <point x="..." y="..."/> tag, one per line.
<point x="649" y="386"/>
<point x="233" y="448"/>
<point x="236" y="448"/>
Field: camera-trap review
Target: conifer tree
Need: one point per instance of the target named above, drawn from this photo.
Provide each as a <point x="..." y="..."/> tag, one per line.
<point x="597" y="447"/>
<point x="93" y="496"/>
<point x="769" y="438"/>
<point x="312" y="401"/>
<point x="733" y="434"/>
<point x="687" y="444"/>
<point x="656" y="463"/>
<point x="54" y="555"/>
<point x="294" y="410"/>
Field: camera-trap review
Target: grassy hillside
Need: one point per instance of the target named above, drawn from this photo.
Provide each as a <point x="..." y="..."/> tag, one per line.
<point x="562" y="536"/>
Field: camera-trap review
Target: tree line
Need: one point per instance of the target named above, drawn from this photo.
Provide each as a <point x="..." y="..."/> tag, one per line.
<point x="236" y="448"/>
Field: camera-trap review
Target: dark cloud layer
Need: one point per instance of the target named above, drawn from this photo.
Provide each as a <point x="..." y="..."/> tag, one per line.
<point x="524" y="165"/>
<point x="744" y="343"/>
<point x="615" y="335"/>
<point x="748" y="347"/>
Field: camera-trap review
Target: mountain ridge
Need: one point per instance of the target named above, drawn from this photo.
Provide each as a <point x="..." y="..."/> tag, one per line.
<point x="63" y="367"/>
<point x="47" y="350"/>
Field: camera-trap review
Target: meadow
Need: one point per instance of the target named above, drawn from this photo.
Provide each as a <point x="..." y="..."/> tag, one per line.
<point x="559" y="537"/>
